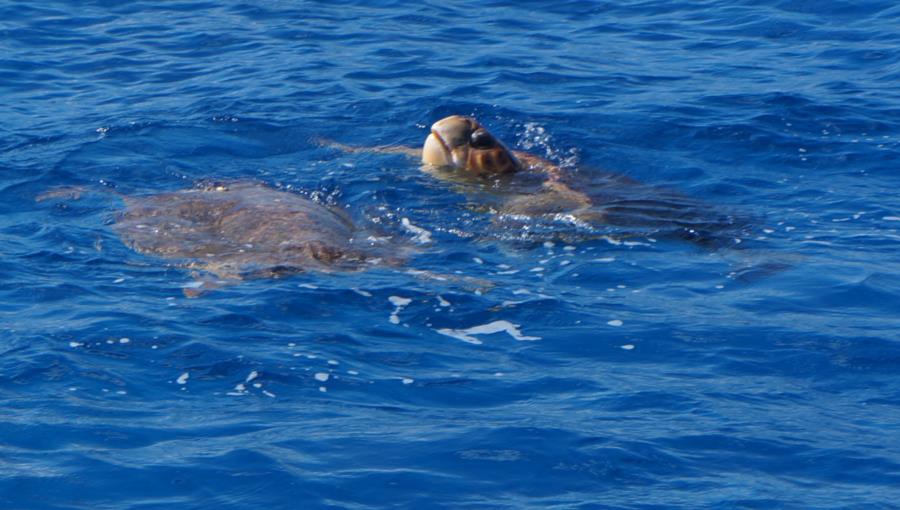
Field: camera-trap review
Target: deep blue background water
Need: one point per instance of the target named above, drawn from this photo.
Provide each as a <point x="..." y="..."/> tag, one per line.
<point x="722" y="386"/>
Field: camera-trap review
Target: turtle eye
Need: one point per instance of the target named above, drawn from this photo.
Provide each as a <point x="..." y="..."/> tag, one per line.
<point x="481" y="139"/>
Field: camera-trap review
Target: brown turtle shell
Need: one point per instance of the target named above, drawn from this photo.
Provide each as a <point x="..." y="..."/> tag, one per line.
<point x="242" y="229"/>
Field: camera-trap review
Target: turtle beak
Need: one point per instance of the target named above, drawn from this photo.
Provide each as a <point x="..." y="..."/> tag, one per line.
<point x="436" y="151"/>
<point x="448" y="143"/>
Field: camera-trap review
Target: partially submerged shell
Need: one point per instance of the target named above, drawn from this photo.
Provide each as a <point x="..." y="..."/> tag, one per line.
<point x="243" y="229"/>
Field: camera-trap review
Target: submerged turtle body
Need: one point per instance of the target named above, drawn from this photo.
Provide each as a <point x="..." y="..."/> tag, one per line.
<point x="246" y="229"/>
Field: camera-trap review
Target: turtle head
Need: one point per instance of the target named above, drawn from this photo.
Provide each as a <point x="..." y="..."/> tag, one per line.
<point x="462" y="143"/>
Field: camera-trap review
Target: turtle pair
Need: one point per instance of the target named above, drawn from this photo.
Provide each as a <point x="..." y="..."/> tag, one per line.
<point x="232" y="231"/>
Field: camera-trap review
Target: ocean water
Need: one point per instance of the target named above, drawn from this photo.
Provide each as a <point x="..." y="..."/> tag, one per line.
<point x="605" y="367"/>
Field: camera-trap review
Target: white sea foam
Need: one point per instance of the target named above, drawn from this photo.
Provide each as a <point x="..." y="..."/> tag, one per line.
<point x="420" y="235"/>
<point x="466" y="335"/>
<point x="400" y="303"/>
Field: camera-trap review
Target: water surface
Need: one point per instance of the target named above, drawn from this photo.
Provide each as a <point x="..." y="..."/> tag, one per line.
<point x="757" y="374"/>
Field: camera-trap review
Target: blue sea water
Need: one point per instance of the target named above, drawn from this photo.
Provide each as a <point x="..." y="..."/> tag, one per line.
<point x="631" y="370"/>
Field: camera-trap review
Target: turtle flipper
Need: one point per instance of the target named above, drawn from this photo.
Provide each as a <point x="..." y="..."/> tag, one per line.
<point x="70" y="193"/>
<point x="753" y="265"/>
<point x="62" y="193"/>
<point x="378" y="149"/>
<point x="201" y="285"/>
<point x="209" y="277"/>
<point x="479" y="285"/>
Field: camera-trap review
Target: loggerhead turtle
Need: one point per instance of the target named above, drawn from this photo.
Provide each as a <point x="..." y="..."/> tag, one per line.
<point x="232" y="231"/>
<point x="460" y="149"/>
<point x="238" y="230"/>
